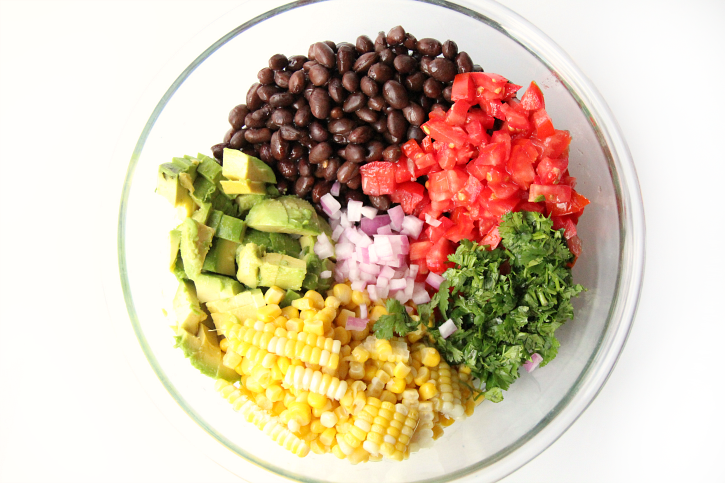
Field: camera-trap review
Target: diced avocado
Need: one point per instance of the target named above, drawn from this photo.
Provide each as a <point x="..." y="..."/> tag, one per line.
<point x="283" y="271"/>
<point x="209" y="169"/>
<point x="289" y="297"/>
<point x="272" y="191"/>
<point x="195" y="242"/>
<point x="221" y="320"/>
<point x="243" y="187"/>
<point x="178" y="269"/>
<point x="225" y="204"/>
<point x="227" y="373"/>
<point x="273" y="242"/>
<point x="315" y="267"/>
<point x="307" y="241"/>
<point x="210" y="287"/>
<point x="169" y="185"/>
<point x="202" y="213"/>
<point x="231" y="229"/>
<point x="246" y="202"/>
<point x="209" y="357"/>
<point x="188" y="175"/>
<point x="286" y="214"/>
<point x="186" y="208"/>
<point x="174" y="242"/>
<point x="215" y="217"/>
<point x="324" y="227"/>
<point x="187" y="342"/>
<point x="222" y="257"/>
<point x="249" y="259"/>
<point x="240" y="166"/>
<point x="204" y="190"/>
<point x="225" y="305"/>
<point x="186" y="307"/>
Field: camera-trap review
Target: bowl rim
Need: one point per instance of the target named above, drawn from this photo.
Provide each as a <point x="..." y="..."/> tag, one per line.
<point x="631" y="224"/>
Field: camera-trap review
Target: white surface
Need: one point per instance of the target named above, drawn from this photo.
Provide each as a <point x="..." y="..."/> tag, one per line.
<point x="72" y="410"/>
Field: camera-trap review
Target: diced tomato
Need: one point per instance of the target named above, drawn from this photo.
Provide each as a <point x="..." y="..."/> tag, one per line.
<point x="422" y="271"/>
<point x="378" y="178"/>
<point x="516" y="119"/>
<point x="492" y="238"/>
<point x="575" y="246"/>
<point x="550" y="193"/>
<point x="569" y="181"/>
<point x="491" y="82"/>
<point x="441" y="131"/>
<point x="456" y="115"/>
<point x="447" y="158"/>
<point x="437" y="113"/>
<point x="435" y="233"/>
<point x="469" y="193"/>
<point x="427" y="144"/>
<point x="510" y="91"/>
<point x="557" y="144"/>
<point x="499" y="208"/>
<point x="520" y="166"/>
<point x="493" y="154"/>
<point x="532" y="99"/>
<point x="503" y="190"/>
<point x="419" y="250"/>
<point x="409" y="195"/>
<point x="550" y="171"/>
<point x="485" y="224"/>
<point x="463" y="88"/>
<point x="476" y="133"/>
<point x="574" y="205"/>
<point x="463" y="226"/>
<point x="402" y="174"/>
<point x="566" y="223"/>
<point x="411" y="148"/>
<point x="479" y="115"/>
<point x="437" y="258"/>
<point x="526" y="206"/>
<point x="441" y="206"/>
<point x="505" y="138"/>
<point x="542" y="124"/>
<point x="492" y="108"/>
<point x="425" y="162"/>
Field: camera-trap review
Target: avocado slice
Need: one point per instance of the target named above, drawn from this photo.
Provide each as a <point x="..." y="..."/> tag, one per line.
<point x="204" y="190"/>
<point x="225" y="305"/>
<point x="240" y="166"/>
<point x="202" y="213"/>
<point x="168" y="185"/>
<point x="186" y="307"/>
<point x="283" y="271"/>
<point x="315" y="267"/>
<point x="195" y="243"/>
<point x="289" y="297"/>
<point x="215" y="218"/>
<point x="273" y="242"/>
<point x="209" y="169"/>
<point x="246" y="202"/>
<point x="231" y="229"/>
<point x="178" y="269"/>
<point x="222" y="257"/>
<point x="243" y="187"/>
<point x="286" y="214"/>
<point x="249" y="259"/>
<point x="175" y="243"/>
<point x="210" y="287"/>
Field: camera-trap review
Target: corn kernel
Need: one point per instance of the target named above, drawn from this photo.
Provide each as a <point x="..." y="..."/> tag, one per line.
<point x="268" y="313"/>
<point x="423" y="376"/>
<point x="307" y="314"/>
<point x="343" y="293"/>
<point x="314" y="326"/>
<point x="341" y="319"/>
<point x="275" y="393"/>
<point x="430" y="356"/>
<point x="360" y="334"/>
<point x="317" y="427"/>
<point x="316" y="400"/>
<point x="274" y="295"/>
<point x="396" y="385"/>
<point x="341" y="334"/>
<point x="328" y="436"/>
<point x="303" y="304"/>
<point x="294" y="325"/>
<point x="377" y="312"/>
<point x="427" y="391"/>
<point x="290" y="312"/>
<point x="358" y="298"/>
<point x="360" y="354"/>
<point x="316" y="299"/>
<point x="358" y="456"/>
<point x="356" y="370"/>
<point x="338" y="452"/>
<point x="401" y="370"/>
<point x="332" y="302"/>
<point x="224" y="344"/>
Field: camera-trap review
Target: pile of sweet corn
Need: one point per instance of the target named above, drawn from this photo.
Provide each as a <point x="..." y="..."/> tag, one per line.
<point x="311" y="384"/>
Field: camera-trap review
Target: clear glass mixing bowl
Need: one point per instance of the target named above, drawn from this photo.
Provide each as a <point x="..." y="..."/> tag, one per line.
<point x="191" y="116"/>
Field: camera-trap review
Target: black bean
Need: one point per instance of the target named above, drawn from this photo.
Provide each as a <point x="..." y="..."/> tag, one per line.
<point x="304" y="185"/>
<point x="414" y="132"/>
<point x="354" y="102"/>
<point x="463" y="63"/>
<point x="380" y="42"/>
<point x="410" y="42"/>
<point x="425" y="102"/>
<point x="256" y="136"/>
<point x="363" y="63"/>
<point x="257" y="118"/>
<point x="283" y="99"/>
<point x="320" y="189"/>
<point x="414" y="114"/>
<point x="253" y="100"/>
<point x="440" y="106"/>
<point x="282" y="186"/>
<point x="443" y="70"/>
<point x="218" y="150"/>
<point x="374" y="151"/>
<point x="281" y="116"/>
<point x="369" y="87"/>
<point x="429" y="47"/>
<point x="367" y="115"/>
<point x="395" y="94"/>
<point x="414" y="82"/>
<point x="350" y="81"/>
<point x="296" y="151"/>
<point x="265" y="92"/>
<point x="432" y="88"/>
<point x="405" y="64"/>
<point x="345" y="59"/>
<point x="363" y="44"/>
<point x="238" y="140"/>
<point x="318" y="132"/>
<point x="337" y="112"/>
<point x="287" y="169"/>
<point x="447" y="93"/>
<point x="354" y="195"/>
<point x="265" y="76"/>
<point x="336" y="91"/>
<point x="319" y="75"/>
<point x="380" y="202"/>
<point x="296" y="62"/>
<point x="396" y="35"/>
<point x="278" y="62"/>
<point x="265" y="153"/>
<point x="477" y="68"/>
<point x="347" y="171"/>
<point x="397" y="124"/>
<point x="329" y="169"/>
<point x="320" y="103"/>
<point x="381" y="125"/>
<point x="345" y="46"/>
<point x="377" y="103"/>
<point x="449" y="49"/>
<point x="290" y="133"/>
<point x="340" y="138"/>
<point x="320" y="153"/>
<point x="380" y="73"/>
<point x="361" y="135"/>
<point x="425" y="64"/>
<point x="341" y="126"/>
<point x="303" y="116"/>
<point x="324" y="54"/>
<point x="331" y="44"/>
<point x="309" y="64"/>
<point x="355" y="183"/>
<point x="297" y="82"/>
<point x="387" y="57"/>
<point x="354" y="153"/>
<point x="282" y="79"/>
<point x="311" y="52"/>
<point x="228" y="135"/>
<point x="303" y="167"/>
<point x="392" y="153"/>
<point x="399" y="50"/>
<point x="237" y="115"/>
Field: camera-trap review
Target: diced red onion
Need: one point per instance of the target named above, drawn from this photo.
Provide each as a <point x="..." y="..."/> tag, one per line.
<point x="401" y="296"/>
<point x="413" y="271"/>
<point x="398" y="284"/>
<point x="412" y="226"/>
<point x="370" y="226"/>
<point x="365" y="258"/>
<point x="329" y="204"/>
<point x="373" y="293"/>
<point x="344" y="221"/>
<point x="382" y="281"/>
<point x="358" y="285"/>
<point x="356" y="323"/>
<point x="434" y="280"/>
<point x="409" y="309"/>
<point x="385" y="230"/>
<point x="387" y="272"/>
<point x="533" y="363"/>
<point x="370" y="268"/>
<point x="369" y="212"/>
<point x="344" y="250"/>
<point x="397" y="215"/>
<point x="353" y="210"/>
<point x="368" y="277"/>
<point x="325" y="274"/>
<point x="432" y="221"/>
<point x="373" y="254"/>
<point x="364" y="241"/>
<point x="351" y="234"/>
<point x="421" y="297"/>
<point x="323" y="247"/>
<point x="382" y="292"/>
<point x="336" y="215"/>
<point x="383" y="248"/>
<point x="335" y="190"/>
<point x="447" y="328"/>
<point x="336" y="232"/>
<point x="363" y="311"/>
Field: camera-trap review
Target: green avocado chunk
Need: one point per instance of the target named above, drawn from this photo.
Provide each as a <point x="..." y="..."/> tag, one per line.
<point x="222" y="257"/>
<point x="195" y="243"/>
<point x="273" y="242"/>
<point x="249" y="259"/>
<point x="186" y="307"/>
<point x="169" y="185"/>
<point x="240" y="166"/>
<point x="246" y="202"/>
<point x="231" y="229"/>
<point x="210" y="287"/>
<point x="289" y="297"/>
<point x="286" y="214"/>
<point x="209" y="169"/>
<point x="202" y="349"/>
<point x="243" y="187"/>
<point x="282" y="271"/>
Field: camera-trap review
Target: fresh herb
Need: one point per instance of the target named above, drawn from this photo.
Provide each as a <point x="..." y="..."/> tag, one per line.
<point x="397" y="321"/>
<point x="507" y="302"/>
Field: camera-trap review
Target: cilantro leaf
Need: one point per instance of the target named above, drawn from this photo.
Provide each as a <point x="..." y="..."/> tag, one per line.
<point x="397" y="321"/>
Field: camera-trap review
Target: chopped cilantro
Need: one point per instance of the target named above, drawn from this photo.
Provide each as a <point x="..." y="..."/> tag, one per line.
<point x="397" y="321"/>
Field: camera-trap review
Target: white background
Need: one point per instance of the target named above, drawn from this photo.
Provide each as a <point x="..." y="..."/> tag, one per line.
<point x="71" y="409"/>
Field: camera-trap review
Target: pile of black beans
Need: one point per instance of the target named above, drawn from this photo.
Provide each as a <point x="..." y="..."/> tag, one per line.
<point x="317" y="118"/>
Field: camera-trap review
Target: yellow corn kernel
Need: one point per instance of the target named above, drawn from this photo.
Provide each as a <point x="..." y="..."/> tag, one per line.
<point x="224" y="344"/>
<point x="360" y="334"/>
<point x="342" y="292"/>
<point x="338" y="452"/>
<point x="274" y="393"/>
<point x="317" y="447"/>
<point x="356" y="370"/>
<point x="332" y="302"/>
<point x="401" y="370"/>
<point x="328" y="419"/>
<point x="290" y="312"/>
<point x="274" y="295"/>
<point x="300" y="412"/>
<point x="268" y="313"/>
<point x="316" y="400"/>
<point x="317" y="427"/>
<point x="306" y="315"/>
<point x="303" y="304"/>
<point x="334" y="361"/>
<point x="396" y="385"/>
<point x="430" y="356"/>
<point x="445" y="422"/>
<point x="360" y="354"/>
<point x="326" y="315"/>
<point x="316" y="299"/>
<point x="388" y="396"/>
<point x="342" y="316"/>
<point x="427" y="391"/>
<point x="327" y="437"/>
<point x="359" y="455"/>
<point x="383" y="376"/>
<point x="317" y="412"/>
<point x="470" y="406"/>
<point x="341" y="334"/>
<point x="314" y="326"/>
<point x="423" y="376"/>
<point x="377" y="312"/>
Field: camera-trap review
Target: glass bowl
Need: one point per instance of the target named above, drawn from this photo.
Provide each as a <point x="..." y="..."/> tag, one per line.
<point x="191" y="116"/>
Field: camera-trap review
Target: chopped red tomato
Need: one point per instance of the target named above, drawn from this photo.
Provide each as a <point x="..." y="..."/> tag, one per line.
<point x="456" y="115"/>
<point x="493" y="83"/>
<point x="566" y="223"/>
<point x="440" y="131"/>
<point x="498" y="208"/>
<point x="550" y="171"/>
<point x="557" y="144"/>
<point x="409" y="195"/>
<point x="510" y="91"/>
<point x="437" y="258"/>
<point x="419" y="250"/>
<point x="575" y="246"/>
<point x="412" y="149"/>
<point x="492" y="238"/>
<point x="574" y="205"/>
<point x="463" y="88"/>
<point x="550" y="193"/>
<point x="504" y="138"/>
<point x="532" y="99"/>
<point x="434" y="233"/>
<point x="520" y="166"/>
<point x="503" y="190"/>
<point x="476" y="114"/>
<point x="463" y="225"/>
<point x="526" y="206"/>
<point x="542" y="124"/>
<point x="378" y="178"/>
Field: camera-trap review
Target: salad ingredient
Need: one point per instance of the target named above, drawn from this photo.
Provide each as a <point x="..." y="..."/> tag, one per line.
<point x="286" y="214"/>
<point x="396" y="321"/>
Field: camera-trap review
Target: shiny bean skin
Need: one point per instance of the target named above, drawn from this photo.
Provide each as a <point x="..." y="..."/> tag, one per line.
<point x="414" y="114"/>
<point x="288" y="169"/>
<point x="354" y="102"/>
<point x="355" y="153"/>
<point x="350" y="81"/>
<point x="463" y="63"/>
<point x="283" y="99"/>
<point x="320" y="103"/>
<point x="355" y="183"/>
<point x="392" y="153"/>
<point x="397" y="125"/>
<point x="363" y="44"/>
<point x="336" y="91"/>
<point x="218" y="150"/>
<point x="432" y="88"/>
<point x="366" y="114"/>
<point x="280" y="147"/>
<point x="380" y="73"/>
<point x="281" y="116"/>
<point x="415" y="132"/>
<point x="449" y="49"/>
<point x="253" y="100"/>
<point x="303" y="117"/>
<point x="256" y="136"/>
<point x="347" y="171"/>
<point x="278" y="62"/>
<point x="297" y="82"/>
<point x="290" y="133"/>
<point x="319" y="75"/>
<point x="396" y="35"/>
<point x="282" y="79"/>
<point x="345" y="60"/>
<point x="237" y="115"/>
<point x="355" y="195"/>
<point x="430" y="47"/>
<point x="330" y="168"/>
<point x="405" y="64"/>
<point x="369" y="87"/>
<point x="228" y="135"/>
<point x="341" y="126"/>
<point x="265" y="76"/>
<point x="361" y="135"/>
<point x="296" y="62"/>
<point x="320" y="189"/>
<point x="238" y="140"/>
<point x="395" y="94"/>
<point x="303" y="167"/>
<point x="318" y="132"/>
<point x="324" y="54"/>
<point x="415" y="82"/>
<point x="443" y="70"/>
<point x="320" y="153"/>
<point x="374" y="151"/>
<point x="304" y="185"/>
<point x="382" y="203"/>
<point x="364" y="62"/>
